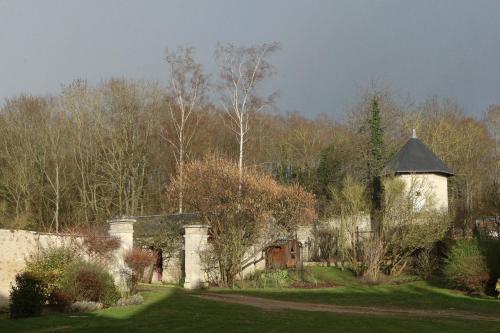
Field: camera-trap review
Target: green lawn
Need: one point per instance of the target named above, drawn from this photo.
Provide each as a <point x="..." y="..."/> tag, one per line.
<point x="171" y="309"/>
<point x="350" y="291"/>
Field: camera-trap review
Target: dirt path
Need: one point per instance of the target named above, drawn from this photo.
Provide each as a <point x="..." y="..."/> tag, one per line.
<point x="270" y="304"/>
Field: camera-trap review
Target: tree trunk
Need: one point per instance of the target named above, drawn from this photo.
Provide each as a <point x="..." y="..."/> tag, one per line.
<point x="57" y="190"/>
<point x="181" y="164"/>
<point x="240" y="163"/>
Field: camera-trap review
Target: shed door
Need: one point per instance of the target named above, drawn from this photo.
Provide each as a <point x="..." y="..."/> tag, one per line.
<point x="276" y="257"/>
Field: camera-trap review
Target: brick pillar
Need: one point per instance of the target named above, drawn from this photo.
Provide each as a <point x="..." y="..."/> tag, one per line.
<point x="123" y="229"/>
<point x="195" y="242"/>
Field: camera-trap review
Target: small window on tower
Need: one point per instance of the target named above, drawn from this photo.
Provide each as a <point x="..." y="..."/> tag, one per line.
<point x="419" y="201"/>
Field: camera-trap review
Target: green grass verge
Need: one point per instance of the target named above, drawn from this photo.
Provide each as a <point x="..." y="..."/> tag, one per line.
<point x="170" y="309"/>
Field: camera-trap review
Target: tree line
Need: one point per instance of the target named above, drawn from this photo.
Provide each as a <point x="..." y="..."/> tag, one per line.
<point x="90" y="152"/>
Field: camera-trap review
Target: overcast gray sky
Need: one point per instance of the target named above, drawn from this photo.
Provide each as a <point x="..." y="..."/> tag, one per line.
<point x="331" y="50"/>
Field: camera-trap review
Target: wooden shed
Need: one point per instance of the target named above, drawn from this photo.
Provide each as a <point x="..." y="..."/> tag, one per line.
<point x="283" y="254"/>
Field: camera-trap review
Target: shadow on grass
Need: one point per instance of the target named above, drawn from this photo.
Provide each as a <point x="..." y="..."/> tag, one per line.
<point x="171" y="309"/>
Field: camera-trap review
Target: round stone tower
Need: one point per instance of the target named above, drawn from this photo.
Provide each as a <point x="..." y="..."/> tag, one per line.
<point x="422" y="172"/>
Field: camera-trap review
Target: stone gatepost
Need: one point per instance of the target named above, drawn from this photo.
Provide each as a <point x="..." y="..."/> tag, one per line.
<point x="123" y="229"/>
<point x="304" y="236"/>
<point x="195" y="242"/>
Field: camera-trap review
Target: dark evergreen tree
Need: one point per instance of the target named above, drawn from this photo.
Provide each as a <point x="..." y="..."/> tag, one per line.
<point x="376" y="155"/>
<point x="324" y="178"/>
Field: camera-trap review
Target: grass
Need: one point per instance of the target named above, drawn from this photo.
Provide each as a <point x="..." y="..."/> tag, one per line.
<point x="350" y="291"/>
<point x="171" y="309"/>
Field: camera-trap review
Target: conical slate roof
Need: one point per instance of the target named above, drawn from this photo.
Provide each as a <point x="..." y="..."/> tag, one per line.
<point x="415" y="157"/>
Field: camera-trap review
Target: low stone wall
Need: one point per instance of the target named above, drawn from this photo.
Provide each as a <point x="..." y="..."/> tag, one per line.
<point x="16" y="246"/>
<point x="254" y="260"/>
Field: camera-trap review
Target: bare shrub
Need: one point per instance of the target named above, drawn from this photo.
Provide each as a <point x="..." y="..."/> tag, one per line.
<point x="352" y="202"/>
<point x="100" y="248"/>
<point x="426" y="263"/>
<point x="327" y="238"/>
<point x="371" y="258"/>
<point x="138" y="260"/>
<point x="406" y="227"/>
<point x="263" y="212"/>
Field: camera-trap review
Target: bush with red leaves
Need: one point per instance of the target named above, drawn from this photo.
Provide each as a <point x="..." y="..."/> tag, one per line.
<point x="138" y="260"/>
<point x="88" y="282"/>
<point x="100" y="248"/>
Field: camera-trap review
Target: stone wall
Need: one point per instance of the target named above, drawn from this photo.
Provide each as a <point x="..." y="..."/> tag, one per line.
<point x="253" y="260"/>
<point x="16" y="246"/>
<point x="173" y="269"/>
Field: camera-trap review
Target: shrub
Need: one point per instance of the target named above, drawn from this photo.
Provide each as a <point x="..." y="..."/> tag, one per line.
<point x="491" y="249"/>
<point x="327" y="243"/>
<point x="49" y="265"/>
<point x="132" y="300"/>
<point x="426" y="263"/>
<point x="100" y="248"/>
<point x="137" y="260"/>
<point x="372" y="257"/>
<point x="85" y="306"/>
<point x="85" y="281"/>
<point x="27" y="297"/>
<point x="275" y="279"/>
<point x="466" y="266"/>
<point x="269" y="279"/>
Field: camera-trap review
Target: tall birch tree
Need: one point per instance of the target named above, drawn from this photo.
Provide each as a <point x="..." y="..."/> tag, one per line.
<point x="242" y="71"/>
<point x="186" y="94"/>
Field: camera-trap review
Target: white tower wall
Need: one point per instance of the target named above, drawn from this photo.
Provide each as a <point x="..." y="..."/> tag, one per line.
<point x="433" y="185"/>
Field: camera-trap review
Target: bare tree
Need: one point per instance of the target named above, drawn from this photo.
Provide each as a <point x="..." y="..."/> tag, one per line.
<point x="81" y="102"/>
<point x="125" y="139"/>
<point x="493" y="123"/>
<point x="21" y="117"/>
<point x="52" y="159"/>
<point x="353" y="208"/>
<point x="240" y="226"/>
<point x="187" y="91"/>
<point x="242" y="71"/>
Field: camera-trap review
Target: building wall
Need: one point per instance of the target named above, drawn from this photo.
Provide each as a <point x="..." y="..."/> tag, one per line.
<point x="431" y="184"/>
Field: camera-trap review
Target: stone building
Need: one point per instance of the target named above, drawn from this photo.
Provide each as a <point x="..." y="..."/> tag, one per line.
<point x="422" y="172"/>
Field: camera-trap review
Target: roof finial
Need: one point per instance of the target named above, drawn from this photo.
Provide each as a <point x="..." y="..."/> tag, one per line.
<point x="414" y="134"/>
